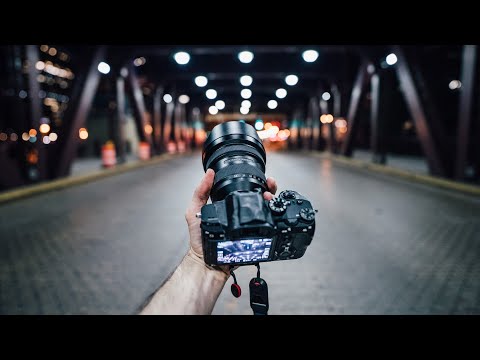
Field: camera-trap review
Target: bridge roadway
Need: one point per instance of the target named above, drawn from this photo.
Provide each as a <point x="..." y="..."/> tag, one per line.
<point x="382" y="245"/>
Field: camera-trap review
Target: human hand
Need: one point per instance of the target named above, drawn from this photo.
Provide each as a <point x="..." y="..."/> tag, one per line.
<point x="200" y="198"/>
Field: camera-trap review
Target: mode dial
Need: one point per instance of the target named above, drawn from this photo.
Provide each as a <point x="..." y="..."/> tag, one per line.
<point x="277" y="205"/>
<point x="307" y="214"/>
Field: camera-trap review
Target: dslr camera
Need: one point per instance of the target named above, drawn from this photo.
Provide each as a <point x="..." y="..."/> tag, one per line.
<point x="240" y="227"/>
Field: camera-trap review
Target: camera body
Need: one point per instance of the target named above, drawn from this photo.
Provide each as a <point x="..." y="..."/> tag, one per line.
<point x="239" y="227"/>
<point x="244" y="229"/>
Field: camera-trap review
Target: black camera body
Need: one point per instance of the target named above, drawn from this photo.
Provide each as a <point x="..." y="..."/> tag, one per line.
<point x="239" y="227"/>
<point x="245" y="229"/>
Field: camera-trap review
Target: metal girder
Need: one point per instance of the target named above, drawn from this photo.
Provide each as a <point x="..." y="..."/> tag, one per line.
<point x="315" y="114"/>
<point x="347" y="146"/>
<point x="379" y="102"/>
<point x="416" y="109"/>
<point x="167" y="124"/>
<point x="435" y="117"/>
<point x="88" y="91"/>
<point x="177" y="122"/>
<point x="227" y="50"/>
<point x="157" y="119"/>
<point x="259" y="74"/>
<point x="235" y="89"/>
<point x="121" y="119"/>
<point x="375" y="104"/>
<point x="465" y="108"/>
<point x="140" y="109"/>
<point x="337" y="102"/>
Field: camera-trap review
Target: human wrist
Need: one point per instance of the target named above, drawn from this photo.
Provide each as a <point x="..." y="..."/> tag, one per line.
<point x="218" y="273"/>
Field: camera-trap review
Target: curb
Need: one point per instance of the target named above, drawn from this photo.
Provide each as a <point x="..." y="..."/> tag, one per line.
<point x="404" y="174"/>
<point x="31" y="190"/>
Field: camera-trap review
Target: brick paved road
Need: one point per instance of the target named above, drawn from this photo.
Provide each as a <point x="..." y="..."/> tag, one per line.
<point x="382" y="246"/>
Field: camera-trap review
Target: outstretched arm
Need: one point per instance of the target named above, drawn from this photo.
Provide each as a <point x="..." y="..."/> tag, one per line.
<point x="194" y="287"/>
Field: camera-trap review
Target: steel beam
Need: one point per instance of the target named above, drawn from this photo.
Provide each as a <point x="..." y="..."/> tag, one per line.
<point x="315" y="113"/>
<point x="467" y="78"/>
<point x="347" y="146"/>
<point x="157" y="119"/>
<point x="121" y="119"/>
<point x="416" y="109"/>
<point x="301" y="125"/>
<point x="435" y="118"/>
<point x="139" y="107"/>
<point x="88" y="91"/>
<point x="337" y="102"/>
<point x="177" y="122"/>
<point x="167" y="126"/>
<point x="376" y="120"/>
<point x="375" y="104"/>
<point x="228" y="50"/>
<point x="195" y="121"/>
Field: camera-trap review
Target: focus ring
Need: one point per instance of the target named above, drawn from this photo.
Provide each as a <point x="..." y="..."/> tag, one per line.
<point x="237" y="149"/>
<point x="239" y="169"/>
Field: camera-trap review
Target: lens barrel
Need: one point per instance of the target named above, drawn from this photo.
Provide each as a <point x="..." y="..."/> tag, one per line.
<point x="236" y="153"/>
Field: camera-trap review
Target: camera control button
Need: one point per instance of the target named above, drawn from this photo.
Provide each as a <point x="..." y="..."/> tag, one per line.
<point x="288" y="194"/>
<point x="307" y="214"/>
<point x="278" y="206"/>
<point x="299" y="201"/>
<point x="291" y="222"/>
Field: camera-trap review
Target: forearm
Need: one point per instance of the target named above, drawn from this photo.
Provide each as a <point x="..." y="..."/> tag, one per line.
<point x="193" y="289"/>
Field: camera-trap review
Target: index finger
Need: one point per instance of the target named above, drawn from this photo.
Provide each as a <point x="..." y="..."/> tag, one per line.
<point x="272" y="185"/>
<point x="202" y="192"/>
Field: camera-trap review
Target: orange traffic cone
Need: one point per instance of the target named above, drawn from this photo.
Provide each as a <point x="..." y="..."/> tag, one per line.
<point x="109" y="155"/>
<point x="144" y="150"/>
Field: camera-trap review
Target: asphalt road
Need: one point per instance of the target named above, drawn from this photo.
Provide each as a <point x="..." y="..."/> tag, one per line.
<point x="382" y="245"/>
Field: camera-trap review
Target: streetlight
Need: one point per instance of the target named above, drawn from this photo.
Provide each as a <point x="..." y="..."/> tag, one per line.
<point x="246" y="93"/>
<point x="182" y="57"/>
<point x="246" y="80"/>
<point x="272" y="104"/>
<point x="103" y="67"/>
<point x="310" y="55"/>
<point x="281" y="93"/>
<point x="291" y="80"/>
<point x="245" y="57"/>
<point x="201" y="81"/>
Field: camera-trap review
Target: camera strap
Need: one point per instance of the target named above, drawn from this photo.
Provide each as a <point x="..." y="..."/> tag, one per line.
<point x="258" y="294"/>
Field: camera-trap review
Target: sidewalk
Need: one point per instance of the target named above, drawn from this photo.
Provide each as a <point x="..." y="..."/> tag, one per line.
<point x="83" y="166"/>
<point x="415" y="164"/>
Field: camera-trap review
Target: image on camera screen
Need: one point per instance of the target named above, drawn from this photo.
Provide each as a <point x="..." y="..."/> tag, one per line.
<point x="243" y="250"/>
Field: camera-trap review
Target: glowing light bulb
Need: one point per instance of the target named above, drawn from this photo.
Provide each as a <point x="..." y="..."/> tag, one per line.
<point x="182" y="57"/>
<point x="291" y="80"/>
<point x="245" y="57"/>
<point x="310" y="55"/>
